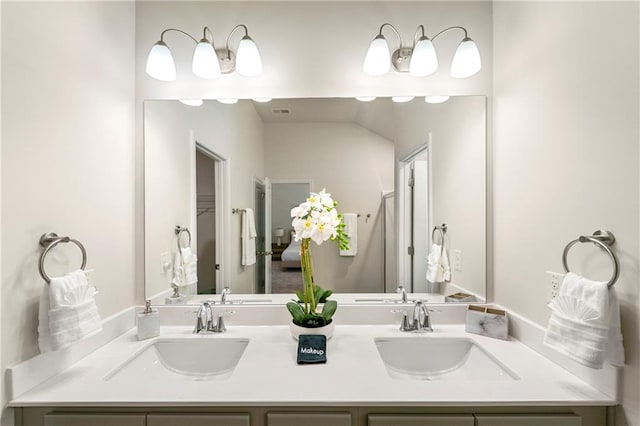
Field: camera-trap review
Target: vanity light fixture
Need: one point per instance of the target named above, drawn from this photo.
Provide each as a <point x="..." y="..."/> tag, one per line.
<point x="402" y="99"/>
<point x="208" y="62"/>
<point x="436" y="99"/>
<point x="421" y="59"/>
<point x="228" y="101"/>
<point x="263" y="100"/>
<point x="365" y="98"/>
<point x="192" y="102"/>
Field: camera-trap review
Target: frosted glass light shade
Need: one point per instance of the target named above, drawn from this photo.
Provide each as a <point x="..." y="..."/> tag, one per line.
<point x="402" y="99"/>
<point x="228" y="101"/>
<point x="436" y="99"/>
<point x="205" y="61"/>
<point x="424" y="60"/>
<point x="160" y="63"/>
<point x="248" y="61"/>
<point x="377" y="61"/>
<point x="466" y="61"/>
<point x="263" y="100"/>
<point x="365" y="98"/>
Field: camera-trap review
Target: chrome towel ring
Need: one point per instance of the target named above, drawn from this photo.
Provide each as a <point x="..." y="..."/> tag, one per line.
<point x="602" y="239"/>
<point x="49" y="241"/>
<point x="443" y="230"/>
<point x="179" y="230"/>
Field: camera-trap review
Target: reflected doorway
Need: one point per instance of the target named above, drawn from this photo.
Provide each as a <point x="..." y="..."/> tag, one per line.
<point x="206" y="230"/>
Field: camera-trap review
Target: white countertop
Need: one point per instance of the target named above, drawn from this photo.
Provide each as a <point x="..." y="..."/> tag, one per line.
<point x="267" y="374"/>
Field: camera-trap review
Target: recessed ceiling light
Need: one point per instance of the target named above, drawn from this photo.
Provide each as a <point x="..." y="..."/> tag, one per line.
<point x="365" y="98"/>
<point x="436" y="99"/>
<point x="401" y="99"/>
<point x="192" y="102"/>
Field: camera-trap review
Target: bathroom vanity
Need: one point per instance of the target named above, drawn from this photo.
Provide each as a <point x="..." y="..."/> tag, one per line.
<point x="375" y="375"/>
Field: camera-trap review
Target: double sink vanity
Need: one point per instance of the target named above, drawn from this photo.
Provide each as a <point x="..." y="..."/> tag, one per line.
<point x="375" y="375"/>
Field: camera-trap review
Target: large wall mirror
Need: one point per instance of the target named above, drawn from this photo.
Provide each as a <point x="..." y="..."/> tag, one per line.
<point x="221" y="179"/>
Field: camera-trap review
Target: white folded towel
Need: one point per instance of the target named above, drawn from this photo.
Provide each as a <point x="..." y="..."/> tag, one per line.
<point x="248" y="236"/>
<point x="438" y="268"/>
<point x="185" y="268"/>
<point x="67" y="312"/>
<point x="351" y="229"/>
<point x="585" y="322"/>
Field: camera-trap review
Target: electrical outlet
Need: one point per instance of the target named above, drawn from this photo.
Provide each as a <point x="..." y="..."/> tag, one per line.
<point x="457" y="260"/>
<point x="553" y="284"/>
<point x="165" y="263"/>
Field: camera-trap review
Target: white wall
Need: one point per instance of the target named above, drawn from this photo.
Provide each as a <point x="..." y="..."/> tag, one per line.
<point x="67" y="154"/>
<point x="234" y="132"/>
<point x="566" y="155"/>
<point x="325" y="153"/>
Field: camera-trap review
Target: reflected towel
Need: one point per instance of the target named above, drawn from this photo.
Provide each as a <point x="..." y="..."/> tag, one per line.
<point x="351" y="229"/>
<point x="185" y="268"/>
<point x="67" y="312"/>
<point x="248" y="238"/>
<point x="585" y="322"/>
<point x="438" y="268"/>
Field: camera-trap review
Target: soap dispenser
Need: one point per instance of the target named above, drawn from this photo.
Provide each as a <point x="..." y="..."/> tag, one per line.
<point x="148" y="322"/>
<point x="176" y="298"/>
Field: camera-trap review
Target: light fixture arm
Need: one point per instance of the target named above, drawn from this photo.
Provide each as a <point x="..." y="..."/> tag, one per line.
<point x="177" y="30"/>
<point x="449" y="29"/>
<point x="415" y="35"/>
<point x="386" y="24"/>
<point x="204" y="35"/>
<point x="246" y="33"/>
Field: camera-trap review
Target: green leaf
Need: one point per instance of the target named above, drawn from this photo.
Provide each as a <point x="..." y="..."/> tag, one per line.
<point x="300" y="295"/>
<point x="329" y="309"/>
<point x="325" y="295"/>
<point x="296" y="311"/>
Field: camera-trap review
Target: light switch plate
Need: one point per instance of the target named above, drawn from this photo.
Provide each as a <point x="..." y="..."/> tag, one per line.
<point x="165" y="263"/>
<point x="457" y="260"/>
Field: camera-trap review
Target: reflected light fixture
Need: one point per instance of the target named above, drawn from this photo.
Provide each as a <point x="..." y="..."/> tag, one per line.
<point x="365" y="98"/>
<point x="436" y="99"/>
<point x="208" y="62"/>
<point x="263" y="100"/>
<point x="421" y="59"/>
<point x="402" y="99"/>
<point x="192" y="102"/>
<point x="228" y="101"/>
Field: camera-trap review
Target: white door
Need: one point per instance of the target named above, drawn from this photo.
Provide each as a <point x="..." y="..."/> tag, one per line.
<point x="267" y="235"/>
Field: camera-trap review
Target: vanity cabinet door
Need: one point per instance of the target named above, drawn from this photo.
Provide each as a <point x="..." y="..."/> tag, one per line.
<point x="528" y="420"/>
<point x="421" y="420"/>
<point x="81" y="419"/>
<point x="177" y="419"/>
<point x="309" y="419"/>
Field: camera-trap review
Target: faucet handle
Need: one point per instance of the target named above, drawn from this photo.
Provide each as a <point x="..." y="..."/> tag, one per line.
<point x="220" y="327"/>
<point x="403" y="293"/>
<point x="204" y="318"/>
<point x="404" y="322"/>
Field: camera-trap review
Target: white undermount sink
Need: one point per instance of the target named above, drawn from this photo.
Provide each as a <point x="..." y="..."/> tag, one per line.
<point x="439" y="358"/>
<point x="186" y="359"/>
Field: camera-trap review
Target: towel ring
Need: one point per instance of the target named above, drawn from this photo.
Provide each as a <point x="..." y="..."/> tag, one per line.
<point x="49" y="241"/>
<point x="179" y="230"/>
<point x="443" y="230"/>
<point x="602" y="239"/>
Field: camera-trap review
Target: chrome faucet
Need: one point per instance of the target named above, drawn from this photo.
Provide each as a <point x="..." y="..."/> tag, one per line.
<point x="223" y="297"/>
<point x="204" y="320"/>
<point x="421" y="320"/>
<point x="403" y="294"/>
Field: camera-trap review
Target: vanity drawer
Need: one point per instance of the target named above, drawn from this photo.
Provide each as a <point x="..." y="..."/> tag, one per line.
<point x="528" y="420"/>
<point x="185" y="419"/>
<point x="420" y="420"/>
<point x="309" y="419"/>
<point x="98" y="419"/>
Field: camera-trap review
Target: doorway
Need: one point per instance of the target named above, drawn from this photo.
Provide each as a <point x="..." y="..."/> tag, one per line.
<point x="208" y="199"/>
<point x="414" y="219"/>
